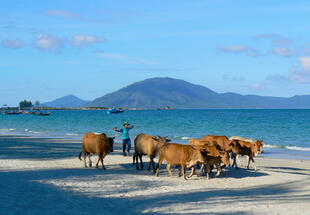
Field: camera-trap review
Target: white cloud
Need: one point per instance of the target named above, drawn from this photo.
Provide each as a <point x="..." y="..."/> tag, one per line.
<point x="80" y="40"/>
<point x="13" y="44"/>
<point x="237" y="49"/>
<point x="124" y="59"/>
<point x="63" y="14"/>
<point x="283" y="52"/>
<point x="305" y="62"/>
<point x="299" y="75"/>
<point x="49" y="43"/>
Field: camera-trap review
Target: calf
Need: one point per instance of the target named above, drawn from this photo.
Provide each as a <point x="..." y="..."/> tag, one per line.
<point x="180" y="155"/>
<point x="215" y="156"/>
<point x="147" y="145"/>
<point x="98" y="144"/>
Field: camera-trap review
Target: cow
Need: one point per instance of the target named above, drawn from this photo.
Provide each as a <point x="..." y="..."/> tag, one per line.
<point x="180" y="155"/>
<point x="249" y="149"/>
<point x="249" y="140"/>
<point x="147" y="145"/>
<point x="98" y="144"/>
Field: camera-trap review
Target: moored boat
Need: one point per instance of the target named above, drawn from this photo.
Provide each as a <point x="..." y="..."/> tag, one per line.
<point x="114" y="110"/>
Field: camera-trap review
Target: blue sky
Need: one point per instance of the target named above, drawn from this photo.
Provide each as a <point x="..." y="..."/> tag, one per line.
<point x="49" y="49"/>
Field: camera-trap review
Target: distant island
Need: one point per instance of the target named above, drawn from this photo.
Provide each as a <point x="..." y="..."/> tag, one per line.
<point x="169" y="93"/>
<point x="161" y="92"/>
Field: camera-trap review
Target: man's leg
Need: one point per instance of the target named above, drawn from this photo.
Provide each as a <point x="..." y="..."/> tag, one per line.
<point x="128" y="146"/>
<point x="124" y="147"/>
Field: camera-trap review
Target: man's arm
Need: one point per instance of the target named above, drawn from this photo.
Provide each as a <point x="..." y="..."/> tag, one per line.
<point x="115" y="129"/>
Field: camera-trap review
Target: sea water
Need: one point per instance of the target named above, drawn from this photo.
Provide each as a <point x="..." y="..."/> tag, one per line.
<point x="285" y="132"/>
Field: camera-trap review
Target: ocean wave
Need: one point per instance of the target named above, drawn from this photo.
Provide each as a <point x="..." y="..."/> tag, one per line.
<point x="71" y="134"/>
<point x="297" y="148"/>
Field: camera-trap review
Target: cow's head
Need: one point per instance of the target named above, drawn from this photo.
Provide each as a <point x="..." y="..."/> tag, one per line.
<point x="260" y="146"/>
<point x="110" y="143"/>
<point x="202" y="158"/>
<point x="225" y="157"/>
<point x="255" y="147"/>
<point x="161" y="140"/>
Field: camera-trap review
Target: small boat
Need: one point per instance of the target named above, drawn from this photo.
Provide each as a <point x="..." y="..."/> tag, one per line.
<point x="114" y="110"/>
<point x="27" y="112"/>
<point x="42" y="114"/>
<point x="12" y="113"/>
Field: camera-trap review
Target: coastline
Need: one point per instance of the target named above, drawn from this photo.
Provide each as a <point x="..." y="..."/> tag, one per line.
<point x="44" y="175"/>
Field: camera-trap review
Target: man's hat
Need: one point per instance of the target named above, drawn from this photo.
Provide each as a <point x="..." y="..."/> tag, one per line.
<point x="126" y="123"/>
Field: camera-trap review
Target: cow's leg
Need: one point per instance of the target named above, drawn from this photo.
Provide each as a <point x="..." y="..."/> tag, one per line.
<point x="219" y="169"/>
<point x="158" y="165"/>
<point x="254" y="163"/>
<point x="140" y="156"/>
<point x="235" y="157"/>
<point x="103" y="167"/>
<point x="202" y="168"/>
<point x="135" y="156"/>
<point x="89" y="160"/>
<point x="192" y="173"/>
<point x="99" y="157"/>
<point x="169" y="170"/>
<point x="183" y="171"/>
<point x="149" y="166"/>
<point x="153" y="164"/>
<point x="84" y="156"/>
<point x="208" y="170"/>
<point x="248" y="163"/>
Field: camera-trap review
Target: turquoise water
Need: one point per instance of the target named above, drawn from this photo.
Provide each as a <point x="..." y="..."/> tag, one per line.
<point x="280" y="129"/>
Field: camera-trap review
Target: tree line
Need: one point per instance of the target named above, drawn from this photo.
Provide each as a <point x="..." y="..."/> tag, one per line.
<point x="27" y="104"/>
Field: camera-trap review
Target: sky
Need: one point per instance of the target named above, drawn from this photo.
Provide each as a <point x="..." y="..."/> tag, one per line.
<point x="49" y="49"/>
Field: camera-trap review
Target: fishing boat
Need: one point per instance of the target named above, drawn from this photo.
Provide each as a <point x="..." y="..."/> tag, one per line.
<point x="42" y="114"/>
<point x="27" y="112"/>
<point x="12" y="113"/>
<point x="114" y="110"/>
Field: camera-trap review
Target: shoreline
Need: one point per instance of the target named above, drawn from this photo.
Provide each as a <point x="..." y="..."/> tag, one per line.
<point x="32" y="168"/>
<point x="269" y="151"/>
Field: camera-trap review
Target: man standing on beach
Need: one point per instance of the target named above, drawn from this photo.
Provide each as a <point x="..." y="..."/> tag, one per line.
<point x="126" y="139"/>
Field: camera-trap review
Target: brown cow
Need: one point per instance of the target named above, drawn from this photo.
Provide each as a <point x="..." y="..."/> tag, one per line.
<point x="147" y="145"/>
<point x="261" y="143"/>
<point x="249" y="149"/>
<point x="180" y="155"/>
<point x="98" y="144"/>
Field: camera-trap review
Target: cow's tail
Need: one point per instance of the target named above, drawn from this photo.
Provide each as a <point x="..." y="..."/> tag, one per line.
<point x="134" y="158"/>
<point x="80" y="155"/>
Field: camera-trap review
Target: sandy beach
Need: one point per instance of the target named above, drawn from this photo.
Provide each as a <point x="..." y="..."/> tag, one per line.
<point x="44" y="176"/>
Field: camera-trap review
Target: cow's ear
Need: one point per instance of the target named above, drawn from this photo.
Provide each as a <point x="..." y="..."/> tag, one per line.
<point x="154" y="138"/>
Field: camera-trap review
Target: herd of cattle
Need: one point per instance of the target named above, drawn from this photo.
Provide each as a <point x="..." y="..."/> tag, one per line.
<point x="209" y="151"/>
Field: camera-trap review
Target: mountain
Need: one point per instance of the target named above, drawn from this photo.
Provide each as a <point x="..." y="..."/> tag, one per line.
<point x="69" y="101"/>
<point x="160" y="92"/>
